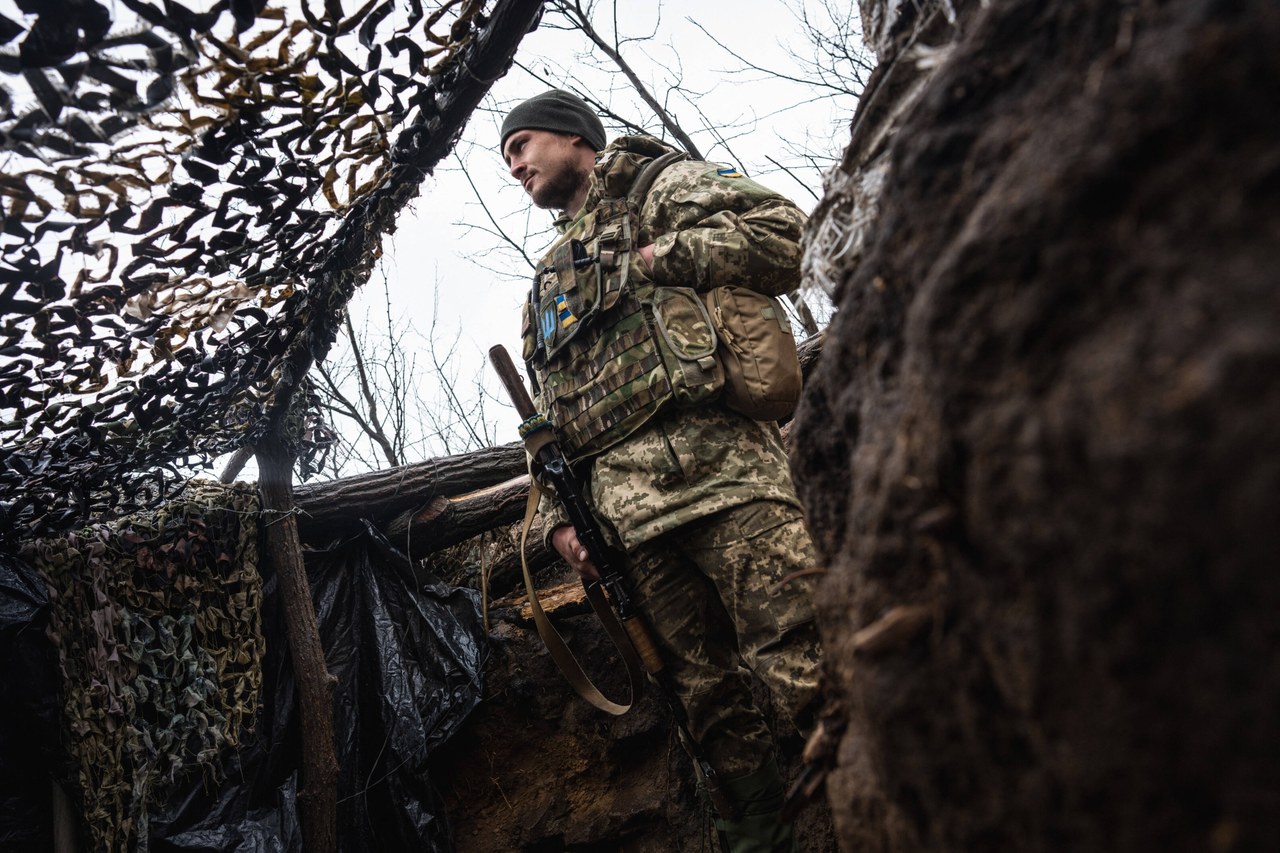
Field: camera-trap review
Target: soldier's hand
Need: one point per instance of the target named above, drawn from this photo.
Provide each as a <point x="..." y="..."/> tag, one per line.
<point x="565" y="541"/>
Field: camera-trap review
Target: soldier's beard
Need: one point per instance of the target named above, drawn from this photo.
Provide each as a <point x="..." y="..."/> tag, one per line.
<point x="560" y="187"/>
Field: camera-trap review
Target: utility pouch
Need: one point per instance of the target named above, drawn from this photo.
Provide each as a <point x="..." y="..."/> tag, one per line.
<point x="687" y="342"/>
<point x="762" y="376"/>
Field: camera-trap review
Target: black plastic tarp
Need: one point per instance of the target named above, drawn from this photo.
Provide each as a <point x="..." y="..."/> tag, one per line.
<point x="407" y="651"/>
<point x="30" y="754"/>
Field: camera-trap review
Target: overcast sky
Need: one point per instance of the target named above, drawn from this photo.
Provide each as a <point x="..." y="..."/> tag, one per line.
<point x="436" y="259"/>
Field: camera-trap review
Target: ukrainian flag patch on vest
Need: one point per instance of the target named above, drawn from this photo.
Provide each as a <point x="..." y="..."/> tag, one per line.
<point x="563" y="313"/>
<point x="729" y="173"/>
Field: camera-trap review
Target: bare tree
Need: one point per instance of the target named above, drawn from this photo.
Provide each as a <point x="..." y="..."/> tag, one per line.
<point x="458" y="416"/>
<point x="832" y="64"/>
<point x="364" y="409"/>
<point x="389" y="408"/>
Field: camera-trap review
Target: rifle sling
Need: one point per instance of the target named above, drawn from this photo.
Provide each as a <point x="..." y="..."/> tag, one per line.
<point x="560" y="652"/>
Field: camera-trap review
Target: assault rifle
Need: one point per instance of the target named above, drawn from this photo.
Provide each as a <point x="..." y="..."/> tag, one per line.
<point x="615" y="606"/>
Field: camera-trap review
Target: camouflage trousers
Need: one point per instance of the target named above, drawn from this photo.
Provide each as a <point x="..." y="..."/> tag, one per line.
<point x="709" y="591"/>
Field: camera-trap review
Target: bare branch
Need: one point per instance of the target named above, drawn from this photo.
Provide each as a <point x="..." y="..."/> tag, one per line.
<point x="595" y="104"/>
<point x="373" y="423"/>
<point x="573" y="10"/>
<point x="794" y="177"/>
<point x="498" y="229"/>
<point x="339" y="404"/>
<point x="839" y="88"/>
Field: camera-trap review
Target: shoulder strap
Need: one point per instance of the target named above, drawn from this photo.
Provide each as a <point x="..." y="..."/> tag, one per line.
<point x="555" y="644"/>
<point x="640" y="186"/>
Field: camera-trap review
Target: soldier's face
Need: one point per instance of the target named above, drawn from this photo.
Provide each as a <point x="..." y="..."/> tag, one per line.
<point x="548" y="165"/>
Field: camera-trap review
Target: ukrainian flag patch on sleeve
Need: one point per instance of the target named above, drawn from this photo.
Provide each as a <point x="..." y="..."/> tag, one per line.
<point x="729" y="172"/>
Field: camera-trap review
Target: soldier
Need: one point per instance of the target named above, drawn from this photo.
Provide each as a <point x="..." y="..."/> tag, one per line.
<point x="700" y="497"/>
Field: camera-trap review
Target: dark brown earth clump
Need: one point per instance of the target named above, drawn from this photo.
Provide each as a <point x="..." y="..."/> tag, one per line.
<point x="538" y="769"/>
<point x="1048" y="414"/>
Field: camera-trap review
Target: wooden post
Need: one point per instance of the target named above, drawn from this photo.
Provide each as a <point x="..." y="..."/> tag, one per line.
<point x="64" y="822"/>
<point x="318" y="797"/>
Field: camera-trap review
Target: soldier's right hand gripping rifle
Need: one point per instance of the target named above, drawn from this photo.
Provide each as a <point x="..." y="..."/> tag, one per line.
<point x="609" y="595"/>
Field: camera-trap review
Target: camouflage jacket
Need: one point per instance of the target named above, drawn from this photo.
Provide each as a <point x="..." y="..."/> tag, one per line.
<point x="710" y="226"/>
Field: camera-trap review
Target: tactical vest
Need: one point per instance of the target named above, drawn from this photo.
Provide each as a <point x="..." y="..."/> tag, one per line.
<point x="605" y="347"/>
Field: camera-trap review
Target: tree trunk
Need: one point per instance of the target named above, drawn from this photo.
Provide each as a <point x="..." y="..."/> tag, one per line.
<point x="317" y="800"/>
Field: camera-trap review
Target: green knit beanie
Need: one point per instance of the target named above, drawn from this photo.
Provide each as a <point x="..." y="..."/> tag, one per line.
<point x="558" y="110"/>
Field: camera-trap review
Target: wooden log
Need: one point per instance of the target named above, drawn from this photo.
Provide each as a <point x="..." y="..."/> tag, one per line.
<point x="562" y="599"/>
<point x="808" y="351"/>
<point x="565" y="599"/>
<point x="505" y="574"/>
<point x="445" y="521"/>
<point x="336" y="508"/>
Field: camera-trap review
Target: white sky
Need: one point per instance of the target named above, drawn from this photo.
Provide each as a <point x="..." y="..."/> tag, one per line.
<point x="478" y="285"/>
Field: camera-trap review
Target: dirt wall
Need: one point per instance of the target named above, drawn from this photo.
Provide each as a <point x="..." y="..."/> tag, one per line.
<point x="1047" y="413"/>
<point x="537" y="769"/>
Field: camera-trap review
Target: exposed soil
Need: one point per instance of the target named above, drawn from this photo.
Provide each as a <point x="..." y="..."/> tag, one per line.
<point x="1047" y="412"/>
<point x="537" y="769"/>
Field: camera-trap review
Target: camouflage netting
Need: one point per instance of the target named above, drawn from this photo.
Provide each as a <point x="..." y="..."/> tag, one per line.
<point x="156" y="620"/>
<point x="911" y="41"/>
<point x="189" y="200"/>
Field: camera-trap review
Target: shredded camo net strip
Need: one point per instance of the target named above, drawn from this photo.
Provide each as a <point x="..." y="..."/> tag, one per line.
<point x="189" y="199"/>
<point x="911" y="39"/>
<point x="157" y="624"/>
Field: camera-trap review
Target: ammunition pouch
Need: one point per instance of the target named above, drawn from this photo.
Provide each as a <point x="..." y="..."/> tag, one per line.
<point x="687" y="342"/>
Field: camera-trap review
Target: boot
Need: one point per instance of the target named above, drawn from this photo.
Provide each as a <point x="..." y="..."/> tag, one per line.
<point x="757" y="828"/>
